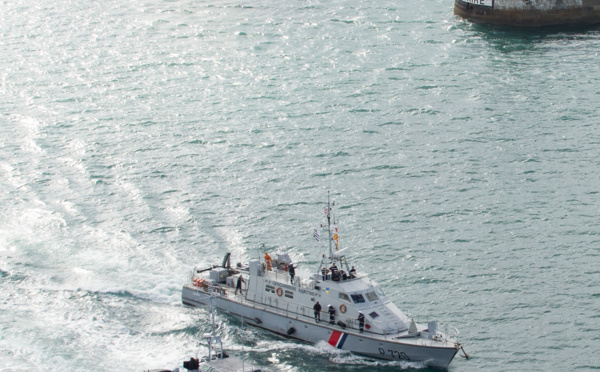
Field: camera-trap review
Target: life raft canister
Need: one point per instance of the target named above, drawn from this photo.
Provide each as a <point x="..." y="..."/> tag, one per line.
<point x="279" y="292"/>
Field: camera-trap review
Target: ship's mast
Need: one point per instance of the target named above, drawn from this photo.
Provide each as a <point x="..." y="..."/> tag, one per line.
<point x="212" y="337"/>
<point x="329" y="225"/>
<point x="331" y="257"/>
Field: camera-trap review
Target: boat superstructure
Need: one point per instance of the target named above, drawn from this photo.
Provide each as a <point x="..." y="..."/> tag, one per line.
<point x="273" y="297"/>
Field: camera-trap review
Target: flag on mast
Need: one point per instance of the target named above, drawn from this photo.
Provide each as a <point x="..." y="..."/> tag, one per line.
<point x="335" y="237"/>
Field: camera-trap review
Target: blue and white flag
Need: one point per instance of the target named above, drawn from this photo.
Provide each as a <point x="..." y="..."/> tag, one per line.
<point x="316" y="235"/>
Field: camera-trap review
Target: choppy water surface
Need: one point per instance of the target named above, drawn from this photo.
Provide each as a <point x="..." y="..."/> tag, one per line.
<point x="140" y="139"/>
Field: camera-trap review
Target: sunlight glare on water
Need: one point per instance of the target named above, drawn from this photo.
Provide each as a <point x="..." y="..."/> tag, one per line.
<point x="142" y="139"/>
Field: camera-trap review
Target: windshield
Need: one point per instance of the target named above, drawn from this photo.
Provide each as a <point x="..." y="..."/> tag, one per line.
<point x="344" y="297"/>
<point x="358" y="298"/>
<point x="371" y="296"/>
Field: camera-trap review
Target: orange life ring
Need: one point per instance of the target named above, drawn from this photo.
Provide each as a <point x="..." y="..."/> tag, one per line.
<point x="279" y="292"/>
<point x="343" y="308"/>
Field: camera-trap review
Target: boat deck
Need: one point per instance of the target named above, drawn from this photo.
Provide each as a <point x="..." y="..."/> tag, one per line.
<point x="306" y="314"/>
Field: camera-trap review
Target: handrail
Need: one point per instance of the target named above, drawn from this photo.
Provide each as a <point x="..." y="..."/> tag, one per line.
<point x="303" y="311"/>
<point x="350" y="322"/>
<point x="306" y="313"/>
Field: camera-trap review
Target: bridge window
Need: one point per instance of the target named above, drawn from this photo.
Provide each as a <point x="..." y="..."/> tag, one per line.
<point x="344" y="297"/>
<point x="371" y="296"/>
<point x="358" y="298"/>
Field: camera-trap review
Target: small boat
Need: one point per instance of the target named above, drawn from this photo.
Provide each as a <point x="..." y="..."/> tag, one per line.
<point x="529" y="13"/>
<point x="217" y="359"/>
<point x="357" y="316"/>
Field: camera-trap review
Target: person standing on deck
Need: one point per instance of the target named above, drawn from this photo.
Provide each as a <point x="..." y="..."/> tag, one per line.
<point x="292" y="272"/>
<point x="317" y="309"/>
<point x="334" y="272"/>
<point x="361" y="321"/>
<point x="268" y="261"/>
<point x="238" y="287"/>
<point x="331" y="314"/>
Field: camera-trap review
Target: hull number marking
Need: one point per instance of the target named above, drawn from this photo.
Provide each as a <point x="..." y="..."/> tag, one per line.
<point x="395" y="354"/>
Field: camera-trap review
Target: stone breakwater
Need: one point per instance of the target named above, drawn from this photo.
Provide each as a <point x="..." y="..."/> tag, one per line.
<point x="530" y="13"/>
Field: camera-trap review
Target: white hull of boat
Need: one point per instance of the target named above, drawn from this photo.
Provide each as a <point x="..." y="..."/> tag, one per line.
<point x="303" y="327"/>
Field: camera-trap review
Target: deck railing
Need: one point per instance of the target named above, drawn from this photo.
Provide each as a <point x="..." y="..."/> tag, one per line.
<point x="299" y="311"/>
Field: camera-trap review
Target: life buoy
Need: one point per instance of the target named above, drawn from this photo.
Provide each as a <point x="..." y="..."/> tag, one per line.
<point x="279" y="292"/>
<point x="343" y="308"/>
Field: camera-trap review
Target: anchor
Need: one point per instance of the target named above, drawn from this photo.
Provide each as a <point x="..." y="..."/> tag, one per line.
<point x="466" y="356"/>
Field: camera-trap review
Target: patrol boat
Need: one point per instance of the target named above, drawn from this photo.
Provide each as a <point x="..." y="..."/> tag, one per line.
<point x="276" y="299"/>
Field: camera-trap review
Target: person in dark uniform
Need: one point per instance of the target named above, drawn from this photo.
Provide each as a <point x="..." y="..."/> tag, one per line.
<point x="324" y="272"/>
<point x="334" y="273"/>
<point x="238" y="286"/>
<point x="361" y="321"/>
<point x="353" y="273"/>
<point x="317" y="309"/>
<point x="292" y="272"/>
<point x="333" y="268"/>
<point x="331" y="314"/>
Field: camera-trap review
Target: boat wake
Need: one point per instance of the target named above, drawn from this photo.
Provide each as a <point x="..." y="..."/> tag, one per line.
<point x="338" y="356"/>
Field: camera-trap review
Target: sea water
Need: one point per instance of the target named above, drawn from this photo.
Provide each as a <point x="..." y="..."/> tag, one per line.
<point x="141" y="139"/>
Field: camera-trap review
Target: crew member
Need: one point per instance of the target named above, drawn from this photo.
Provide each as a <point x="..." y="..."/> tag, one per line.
<point x="361" y="321"/>
<point x="343" y="275"/>
<point x="333" y="269"/>
<point x="239" y="285"/>
<point x="331" y="314"/>
<point x="324" y="272"/>
<point x="353" y="273"/>
<point x="317" y="309"/>
<point x="268" y="261"/>
<point x="292" y="272"/>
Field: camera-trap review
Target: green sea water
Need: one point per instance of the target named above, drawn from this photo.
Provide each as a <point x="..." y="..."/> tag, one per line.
<point x="140" y="139"/>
